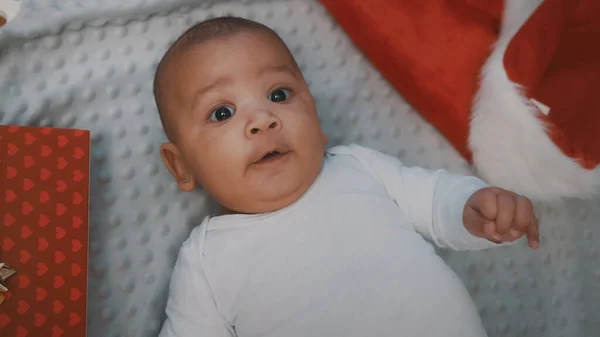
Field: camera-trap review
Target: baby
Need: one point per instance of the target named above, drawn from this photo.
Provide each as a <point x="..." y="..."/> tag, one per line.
<point x="310" y="241"/>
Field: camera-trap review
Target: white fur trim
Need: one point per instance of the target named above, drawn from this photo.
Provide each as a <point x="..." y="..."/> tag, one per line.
<point x="510" y="146"/>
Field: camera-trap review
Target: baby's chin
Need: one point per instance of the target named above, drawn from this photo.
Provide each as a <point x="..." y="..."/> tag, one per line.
<point x="266" y="201"/>
<point x="271" y="196"/>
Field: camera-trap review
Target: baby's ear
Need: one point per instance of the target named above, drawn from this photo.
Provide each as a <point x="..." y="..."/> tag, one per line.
<point x="176" y="165"/>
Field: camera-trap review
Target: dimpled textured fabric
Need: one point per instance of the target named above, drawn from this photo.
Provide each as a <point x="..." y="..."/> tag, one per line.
<point x="89" y="64"/>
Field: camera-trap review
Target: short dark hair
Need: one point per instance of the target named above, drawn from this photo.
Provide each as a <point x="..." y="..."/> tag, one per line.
<point x="204" y="31"/>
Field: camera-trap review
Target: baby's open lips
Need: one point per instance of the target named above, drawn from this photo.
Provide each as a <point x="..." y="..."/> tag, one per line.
<point x="271" y="155"/>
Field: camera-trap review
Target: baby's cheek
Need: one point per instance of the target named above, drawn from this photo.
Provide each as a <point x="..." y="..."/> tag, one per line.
<point x="195" y="132"/>
<point x="306" y="97"/>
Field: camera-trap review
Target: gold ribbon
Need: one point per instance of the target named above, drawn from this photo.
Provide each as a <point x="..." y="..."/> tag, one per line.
<point x="5" y="273"/>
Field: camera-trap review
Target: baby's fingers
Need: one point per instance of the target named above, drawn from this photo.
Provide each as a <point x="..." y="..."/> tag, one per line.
<point x="533" y="233"/>
<point x="506" y="206"/>
<point x="522" y="218"/>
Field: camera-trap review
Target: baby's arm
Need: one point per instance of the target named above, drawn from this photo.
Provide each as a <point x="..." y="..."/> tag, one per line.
<point x="191" y="307"/>
<point x="434" y="201"/>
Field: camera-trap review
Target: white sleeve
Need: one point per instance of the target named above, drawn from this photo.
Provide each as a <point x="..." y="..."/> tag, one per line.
<point x="434" y="201"/>
<point x="191" y="307"/>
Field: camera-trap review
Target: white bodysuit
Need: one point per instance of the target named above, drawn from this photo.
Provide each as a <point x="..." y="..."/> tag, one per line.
<point x="351" y="258"/>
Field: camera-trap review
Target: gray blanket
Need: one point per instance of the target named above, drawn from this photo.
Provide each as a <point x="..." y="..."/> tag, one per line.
<point x="89" y="64"/>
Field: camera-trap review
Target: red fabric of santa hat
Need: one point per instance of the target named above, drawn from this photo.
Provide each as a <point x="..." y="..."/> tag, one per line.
<point x="514" y="85"/>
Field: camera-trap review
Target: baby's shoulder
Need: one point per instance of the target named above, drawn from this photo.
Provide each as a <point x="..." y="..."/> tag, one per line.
<point x="353" y="150"/>
<point x="195" y="242"/>
<point x="358" y="154"/>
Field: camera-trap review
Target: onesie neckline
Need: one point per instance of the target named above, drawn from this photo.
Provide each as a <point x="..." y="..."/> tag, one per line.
<point x="238" y="220"/>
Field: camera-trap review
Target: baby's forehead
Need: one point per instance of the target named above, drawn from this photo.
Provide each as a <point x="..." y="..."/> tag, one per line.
<point x="269" y="43"/>
<point x="210" y="56"/>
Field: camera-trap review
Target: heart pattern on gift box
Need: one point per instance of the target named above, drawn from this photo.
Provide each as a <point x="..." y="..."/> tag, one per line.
<point x="43" y="230"/>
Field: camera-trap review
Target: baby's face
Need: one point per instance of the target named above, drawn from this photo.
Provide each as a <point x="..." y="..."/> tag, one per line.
<point x="247" y="126"/>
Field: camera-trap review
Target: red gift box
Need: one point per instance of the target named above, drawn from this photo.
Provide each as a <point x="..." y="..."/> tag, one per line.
<point x="44" y="193"/>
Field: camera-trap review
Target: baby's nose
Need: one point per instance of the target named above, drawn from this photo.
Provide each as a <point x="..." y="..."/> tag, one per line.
<point x="262" y="123"/>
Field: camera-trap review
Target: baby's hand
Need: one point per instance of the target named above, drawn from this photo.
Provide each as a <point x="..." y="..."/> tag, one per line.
<point x="501" y="216"/>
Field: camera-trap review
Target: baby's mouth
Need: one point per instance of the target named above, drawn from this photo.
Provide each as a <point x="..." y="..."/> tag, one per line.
<point x="271" y="156"/>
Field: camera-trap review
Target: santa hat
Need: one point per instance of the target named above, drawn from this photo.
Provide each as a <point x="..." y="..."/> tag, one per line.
<point x="514" y="85"/>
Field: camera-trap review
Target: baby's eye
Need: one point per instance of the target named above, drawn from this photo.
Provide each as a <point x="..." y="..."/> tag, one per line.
<point x="279" y="95"/>
<point x="222" y="113"/>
